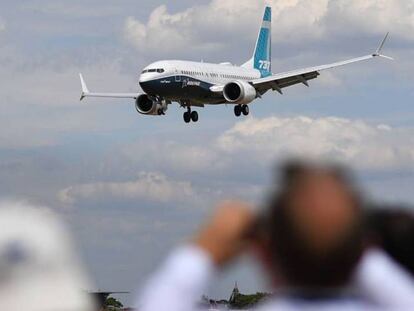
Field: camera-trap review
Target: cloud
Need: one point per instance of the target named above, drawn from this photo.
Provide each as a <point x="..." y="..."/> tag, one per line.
<point x="155" y="187"/>
<point x="234" y="163"/>
<point x="166" y="30"/>
<point x="372" y="16"/>
<point x="42" y="97"/>
<point x="173" y="154"/>
<point x="354" y="142"/>
<point x="206" y="27"/>
<point x="203" y="27"/>
<point x="77" y="10"/>
<point x="2" y="25"/>
<point x="264" y="140"/>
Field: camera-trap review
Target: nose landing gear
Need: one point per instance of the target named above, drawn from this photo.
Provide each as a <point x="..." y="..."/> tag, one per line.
<point x="239" y="109"/>
<point x="189" y="116"/>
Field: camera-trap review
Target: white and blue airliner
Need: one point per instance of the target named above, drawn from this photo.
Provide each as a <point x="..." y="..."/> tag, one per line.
<point x="196" y="84"/>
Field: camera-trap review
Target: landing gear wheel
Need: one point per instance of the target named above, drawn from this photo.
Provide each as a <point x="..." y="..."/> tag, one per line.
<point x="187" y="117"/>
<point x="194" y="116"/>
<point x="237" y="110"/>
<point x="160" y="111"/>
<point x="245" y="109"/>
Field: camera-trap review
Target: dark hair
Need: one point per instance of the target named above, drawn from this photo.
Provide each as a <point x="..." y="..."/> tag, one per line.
<point x="291" y="254"/>
<point x="392" y="227"/>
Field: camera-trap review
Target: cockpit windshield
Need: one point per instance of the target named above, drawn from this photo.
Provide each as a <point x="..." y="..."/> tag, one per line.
<point x="159" y="70"/>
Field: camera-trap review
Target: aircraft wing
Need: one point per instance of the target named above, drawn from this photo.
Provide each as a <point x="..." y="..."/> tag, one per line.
<point x="281" y="80"/>
<point x="87" y="93"/>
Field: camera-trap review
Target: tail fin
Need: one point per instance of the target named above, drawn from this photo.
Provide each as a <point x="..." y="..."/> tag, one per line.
<point x="262" y="57"/>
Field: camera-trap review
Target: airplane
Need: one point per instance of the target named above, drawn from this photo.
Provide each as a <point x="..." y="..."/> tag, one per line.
<point x="196" y="84"/>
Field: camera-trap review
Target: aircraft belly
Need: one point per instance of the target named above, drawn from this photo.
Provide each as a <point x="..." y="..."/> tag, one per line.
<point x="179" y="88"/>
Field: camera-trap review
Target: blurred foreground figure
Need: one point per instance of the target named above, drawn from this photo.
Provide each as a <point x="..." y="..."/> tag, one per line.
<point x="38" y="269"/>
<point x="310" y="239"/>
<point x="312" y="233"/>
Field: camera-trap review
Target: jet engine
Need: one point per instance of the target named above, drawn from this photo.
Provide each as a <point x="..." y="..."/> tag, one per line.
<point x="146" y="105"/>
<point x="239" y="92"/>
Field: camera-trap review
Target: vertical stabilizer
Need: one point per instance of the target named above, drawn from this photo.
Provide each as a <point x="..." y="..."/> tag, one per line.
<point x="262" y="57"/>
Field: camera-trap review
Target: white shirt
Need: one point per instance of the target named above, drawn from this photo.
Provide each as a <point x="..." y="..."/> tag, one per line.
<point x="186" y="274"/>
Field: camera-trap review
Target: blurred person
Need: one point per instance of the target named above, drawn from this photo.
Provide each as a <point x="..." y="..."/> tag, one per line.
<point x="313" y="228"/>
<point x="38" y="267"/>
<point x="310" y="240"/>
<point x="317" y="244"/>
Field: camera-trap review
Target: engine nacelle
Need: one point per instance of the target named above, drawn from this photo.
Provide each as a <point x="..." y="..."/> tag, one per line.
<point x="239" y="92"/>
<point x="145" y="105"/>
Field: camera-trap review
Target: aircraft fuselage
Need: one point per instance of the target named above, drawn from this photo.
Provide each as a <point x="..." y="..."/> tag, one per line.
<point x="185" y="81"/>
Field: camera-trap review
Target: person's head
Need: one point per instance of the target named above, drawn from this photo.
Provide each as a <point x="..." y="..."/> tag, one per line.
<point x="39" y="269"/>
<point x="313" y="226"/>
<point x="392" y="228"/>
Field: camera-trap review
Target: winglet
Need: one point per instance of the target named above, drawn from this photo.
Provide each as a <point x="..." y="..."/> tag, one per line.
<point x="378" y="51"/>
<point x="85" y="90"/>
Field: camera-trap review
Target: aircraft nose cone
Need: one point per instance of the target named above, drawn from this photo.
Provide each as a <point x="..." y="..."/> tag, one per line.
<point x="146" y="83"/>
<point x="144" y="78"/>
<point x="148" y="86"/>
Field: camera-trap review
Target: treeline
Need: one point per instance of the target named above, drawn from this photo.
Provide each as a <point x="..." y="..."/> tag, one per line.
<point x="241" y="301"/>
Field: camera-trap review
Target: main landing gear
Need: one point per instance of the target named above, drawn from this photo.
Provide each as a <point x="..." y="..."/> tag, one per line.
<point x="239" y="109"/>
<point x="190" y="116"/>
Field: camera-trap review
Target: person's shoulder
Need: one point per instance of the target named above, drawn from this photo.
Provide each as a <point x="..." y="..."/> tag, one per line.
<point x="377" y="265"/>
<point x="286" y="304"/>
<point x="376" y="257"/>
<point x="384" y="281"/>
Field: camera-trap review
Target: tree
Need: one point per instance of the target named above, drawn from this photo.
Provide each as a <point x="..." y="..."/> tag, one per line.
<point x="112" y="302"/>
<point x="247" y="301"/>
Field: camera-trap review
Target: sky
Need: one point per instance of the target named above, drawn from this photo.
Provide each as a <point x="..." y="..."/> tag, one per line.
<point x="131" y="187"/>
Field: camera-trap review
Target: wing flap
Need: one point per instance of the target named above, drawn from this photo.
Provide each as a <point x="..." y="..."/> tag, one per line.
<point x="279" y="84"/>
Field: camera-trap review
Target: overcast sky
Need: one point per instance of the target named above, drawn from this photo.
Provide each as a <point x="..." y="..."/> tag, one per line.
<point x="133" y="186"/>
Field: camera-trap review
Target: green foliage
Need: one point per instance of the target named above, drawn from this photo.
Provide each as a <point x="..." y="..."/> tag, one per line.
<point x="246" y="301"/>
<point x="112" y="302"/>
